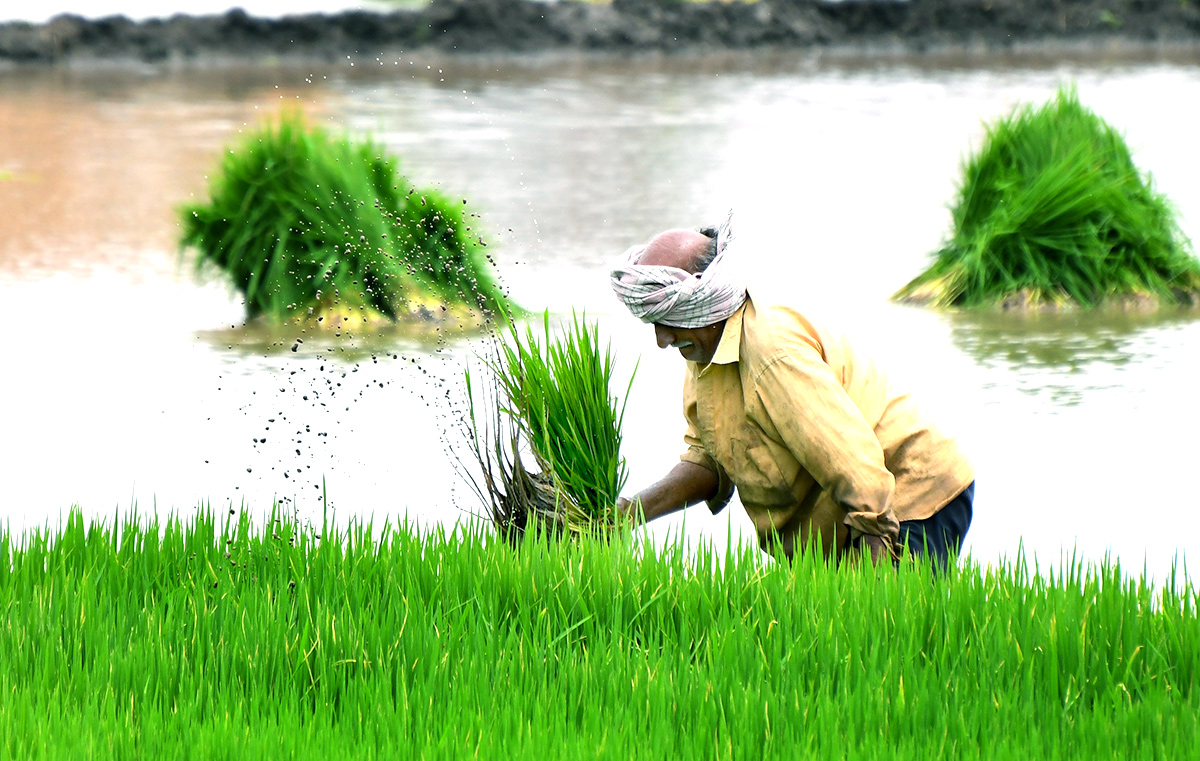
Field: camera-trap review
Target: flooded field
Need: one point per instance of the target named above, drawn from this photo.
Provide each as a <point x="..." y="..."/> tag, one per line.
<point x="129" y="382"/>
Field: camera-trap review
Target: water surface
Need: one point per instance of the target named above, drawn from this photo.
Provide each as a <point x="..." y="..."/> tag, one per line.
<point x="128" y="381"/>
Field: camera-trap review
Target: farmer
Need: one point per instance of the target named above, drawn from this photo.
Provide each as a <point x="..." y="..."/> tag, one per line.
<point x="820" y="446"/>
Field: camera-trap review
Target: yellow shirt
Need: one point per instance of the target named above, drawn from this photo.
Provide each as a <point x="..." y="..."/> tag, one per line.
<point x="818" y="443"/>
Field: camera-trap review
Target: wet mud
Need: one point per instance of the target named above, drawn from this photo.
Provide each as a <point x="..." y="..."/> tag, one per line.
<point x="622" y="26"/>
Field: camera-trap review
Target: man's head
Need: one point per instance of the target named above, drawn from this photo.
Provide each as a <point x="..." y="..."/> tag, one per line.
<point x="692" y="252"/>
<point x="689" y="250"/>
<point x="684" y="283"/>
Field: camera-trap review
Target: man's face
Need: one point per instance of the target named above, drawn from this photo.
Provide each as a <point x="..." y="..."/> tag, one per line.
<point x="694" y="344"/>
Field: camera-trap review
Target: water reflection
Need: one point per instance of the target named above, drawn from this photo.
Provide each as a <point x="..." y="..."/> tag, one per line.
<point x="1066" y="355"/>
<point x="260" y="339"/>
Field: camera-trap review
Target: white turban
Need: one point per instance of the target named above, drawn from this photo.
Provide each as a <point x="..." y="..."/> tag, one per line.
<point x="675" y="297"/>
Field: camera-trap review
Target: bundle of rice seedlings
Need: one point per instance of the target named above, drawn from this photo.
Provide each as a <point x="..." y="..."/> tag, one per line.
<point x="550" y="407"/>
<point x="323" y="230"/>
<point x="1052" y="212"/>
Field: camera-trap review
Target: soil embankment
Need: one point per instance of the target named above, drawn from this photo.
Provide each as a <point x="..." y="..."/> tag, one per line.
<point x="496" y="26"/>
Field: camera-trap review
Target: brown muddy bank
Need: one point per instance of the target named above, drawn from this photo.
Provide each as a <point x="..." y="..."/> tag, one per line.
<point x="622" y="26"/>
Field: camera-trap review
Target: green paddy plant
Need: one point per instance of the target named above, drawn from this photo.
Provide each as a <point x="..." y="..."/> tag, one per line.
<point x="1052" y="212"/>
<point x="325" y="230"/>
<point x="216" y="636"/>
<point x="551" y="406"/>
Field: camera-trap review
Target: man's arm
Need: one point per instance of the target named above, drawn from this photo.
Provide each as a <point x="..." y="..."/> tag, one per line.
<point x="686" y="484"/>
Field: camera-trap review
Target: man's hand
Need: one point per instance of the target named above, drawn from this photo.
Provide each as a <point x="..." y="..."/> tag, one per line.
<point x="631" y="511"/>
<point x="874" y="546"/>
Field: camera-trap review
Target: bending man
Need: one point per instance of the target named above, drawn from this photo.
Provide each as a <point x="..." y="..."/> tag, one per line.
<point x="821" y="448"/>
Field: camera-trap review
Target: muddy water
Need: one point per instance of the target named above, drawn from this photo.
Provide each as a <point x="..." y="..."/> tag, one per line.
<point x="125" y="384"/>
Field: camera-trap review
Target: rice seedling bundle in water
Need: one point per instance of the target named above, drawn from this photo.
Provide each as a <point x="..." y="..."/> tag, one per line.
<point x="1052" y="212"/>
<point x="550" y="399"/>
<point x="327" y="231"/>
<point x="203" y="638"/>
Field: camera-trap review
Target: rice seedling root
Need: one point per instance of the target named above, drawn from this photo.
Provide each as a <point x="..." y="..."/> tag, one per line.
<point x="547" y="401"/>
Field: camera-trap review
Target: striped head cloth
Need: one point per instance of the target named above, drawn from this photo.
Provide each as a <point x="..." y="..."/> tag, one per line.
<point x="675" y="297"/>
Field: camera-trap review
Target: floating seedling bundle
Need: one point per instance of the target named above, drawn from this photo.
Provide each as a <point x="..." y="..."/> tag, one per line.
<point x="327" y="231"/>
<point x="546" y="402"/>
<point x="1052" y="212"/>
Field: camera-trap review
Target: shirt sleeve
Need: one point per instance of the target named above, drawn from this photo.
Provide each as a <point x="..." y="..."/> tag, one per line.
<point x="698" y="455"/>
<point x="817" y="421"/>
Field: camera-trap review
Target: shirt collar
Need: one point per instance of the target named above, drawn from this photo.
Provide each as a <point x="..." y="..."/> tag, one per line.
<point x="730" y="346"/>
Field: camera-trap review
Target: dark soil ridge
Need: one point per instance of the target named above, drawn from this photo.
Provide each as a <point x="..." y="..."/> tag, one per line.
<point x="496" y="26"/>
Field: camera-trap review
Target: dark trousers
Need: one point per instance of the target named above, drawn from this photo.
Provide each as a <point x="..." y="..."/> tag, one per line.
<point x="941" y="534"/>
